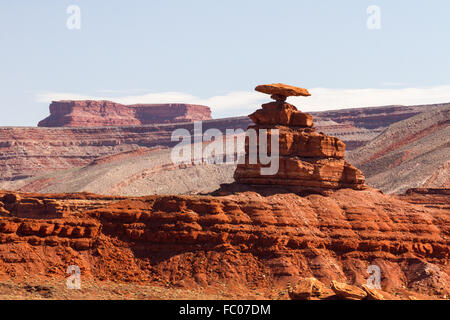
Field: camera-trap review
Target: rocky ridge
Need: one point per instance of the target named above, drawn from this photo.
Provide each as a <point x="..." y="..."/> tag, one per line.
<point x="412" y="153"/>
<point x="358" y="126"/>
<point x="243" y="240"/>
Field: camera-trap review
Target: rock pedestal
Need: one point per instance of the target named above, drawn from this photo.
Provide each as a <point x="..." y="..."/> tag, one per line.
<point x="307" y="159"/>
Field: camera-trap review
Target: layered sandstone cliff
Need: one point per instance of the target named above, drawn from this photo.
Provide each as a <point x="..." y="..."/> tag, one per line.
<point x="307" y="159"/>
<point x="240" y="242"/>
<point x="91" y="113"/>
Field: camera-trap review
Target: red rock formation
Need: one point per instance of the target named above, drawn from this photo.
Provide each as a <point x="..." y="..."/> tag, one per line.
<point x="106" y="113"/>
<point x="307" y="159"/>
<point x="243" y="240"/>
<point x="348" y="292"/>
<point x="280" y="91"/>
<point x="308" y="289"/>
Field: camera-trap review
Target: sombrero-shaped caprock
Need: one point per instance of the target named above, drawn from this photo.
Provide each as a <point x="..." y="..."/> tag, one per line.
<point x="280" y="91"/>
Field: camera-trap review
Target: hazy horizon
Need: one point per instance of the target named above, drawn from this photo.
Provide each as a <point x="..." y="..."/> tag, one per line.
<point x="203" y="52"/>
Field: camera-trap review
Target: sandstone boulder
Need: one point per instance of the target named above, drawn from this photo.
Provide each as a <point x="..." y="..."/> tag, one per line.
<point x="308" y="288"/>
<point x="373" y="294"/>
<point x="347" y="292"/>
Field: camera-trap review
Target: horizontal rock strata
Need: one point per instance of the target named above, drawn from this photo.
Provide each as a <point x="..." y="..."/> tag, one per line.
<point x="91" y="113"/>
<point x="244" y="239"/>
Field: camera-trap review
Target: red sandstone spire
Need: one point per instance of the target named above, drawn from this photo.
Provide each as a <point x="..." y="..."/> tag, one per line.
<point x="307" y="159"/>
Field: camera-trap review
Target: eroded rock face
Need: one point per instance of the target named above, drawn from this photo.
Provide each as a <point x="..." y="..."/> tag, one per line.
<point x="245" y="240"/>
<point x="307" y="159"/>
<point x="106" y="113"/>
<point x="26" y="152"/>
<point x="415" y="151"/>
<point x="281" y="113"/>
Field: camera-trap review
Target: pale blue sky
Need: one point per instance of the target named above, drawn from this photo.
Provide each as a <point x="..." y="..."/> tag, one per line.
<point x="209" y="48"/>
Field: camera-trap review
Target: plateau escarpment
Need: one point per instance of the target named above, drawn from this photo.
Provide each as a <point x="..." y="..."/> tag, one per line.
<point x="89" y="113"/>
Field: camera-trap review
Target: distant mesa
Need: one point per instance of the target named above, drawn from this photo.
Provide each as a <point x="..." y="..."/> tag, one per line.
<point x="91" y="113"/>
<point x="308" y="159"/>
